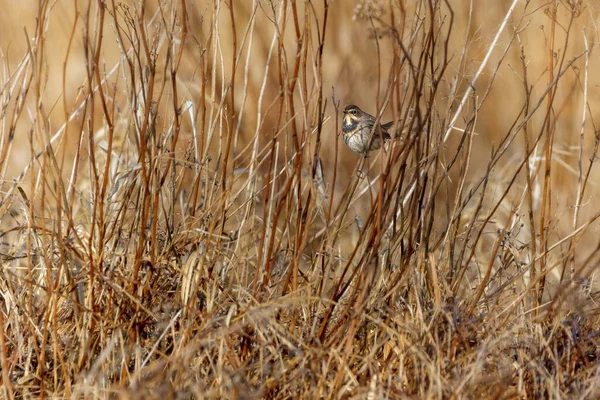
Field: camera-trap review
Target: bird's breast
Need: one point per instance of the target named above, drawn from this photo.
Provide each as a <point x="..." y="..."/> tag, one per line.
<point x="349" y="125"/>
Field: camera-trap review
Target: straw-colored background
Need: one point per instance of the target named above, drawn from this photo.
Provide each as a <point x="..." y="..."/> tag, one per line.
<point x="352" y="71"/>
<point x="351" y="65"/>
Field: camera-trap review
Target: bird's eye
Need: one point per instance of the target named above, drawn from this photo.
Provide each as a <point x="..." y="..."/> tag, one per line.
<point x="354" y="112"/>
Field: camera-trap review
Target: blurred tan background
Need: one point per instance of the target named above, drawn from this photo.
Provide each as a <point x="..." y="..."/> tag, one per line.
<point x="351" y="64"/>
<point x="353" y="69"/>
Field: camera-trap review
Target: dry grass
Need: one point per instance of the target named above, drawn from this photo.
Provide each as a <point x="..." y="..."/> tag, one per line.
<point x="179" y="217"/>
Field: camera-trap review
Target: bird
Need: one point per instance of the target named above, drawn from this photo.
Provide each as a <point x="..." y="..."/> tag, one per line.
<point x="357" y="129"/>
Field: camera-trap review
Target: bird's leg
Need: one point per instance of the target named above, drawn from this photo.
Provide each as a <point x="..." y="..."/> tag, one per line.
<point x="360" y="172"/>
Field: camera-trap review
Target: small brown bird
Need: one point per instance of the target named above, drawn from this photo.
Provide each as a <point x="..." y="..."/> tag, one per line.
<point x="357" y="128"/>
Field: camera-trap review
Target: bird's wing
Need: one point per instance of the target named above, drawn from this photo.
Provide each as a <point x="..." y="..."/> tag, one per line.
<point x="381" y="130"/>
<point x="385" y="134"/>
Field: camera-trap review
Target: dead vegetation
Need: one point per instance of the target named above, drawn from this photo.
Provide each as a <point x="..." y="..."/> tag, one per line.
<point x="179" y="217"/>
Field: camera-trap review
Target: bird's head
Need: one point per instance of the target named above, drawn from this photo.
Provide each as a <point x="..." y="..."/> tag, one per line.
<point x="352" y="114"/>
<point x="353" y="110"/>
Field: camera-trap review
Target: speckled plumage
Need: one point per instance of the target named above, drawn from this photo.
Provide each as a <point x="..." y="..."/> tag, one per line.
<point x="357" y="127"/>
